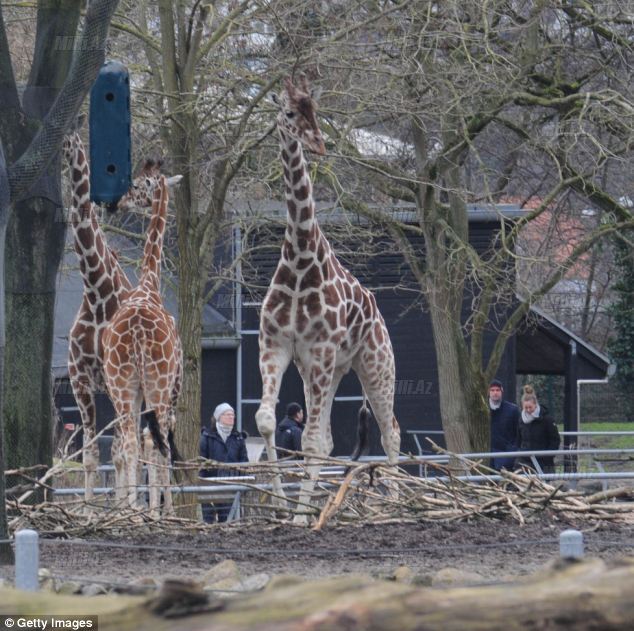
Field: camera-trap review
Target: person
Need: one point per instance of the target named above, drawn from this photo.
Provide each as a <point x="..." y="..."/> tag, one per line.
<point x="224" y="444"/>
<point x="505" y="417"/>
<point x="536" y="431"/>
<point x="289" y="432"/>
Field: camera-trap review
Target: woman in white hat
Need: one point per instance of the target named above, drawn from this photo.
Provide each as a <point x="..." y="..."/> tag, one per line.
<point x="224" y="444"/>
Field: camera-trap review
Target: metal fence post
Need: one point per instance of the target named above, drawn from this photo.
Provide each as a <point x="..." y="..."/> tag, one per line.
<point x="27" y="560"/>
<point x="571" y="544"/>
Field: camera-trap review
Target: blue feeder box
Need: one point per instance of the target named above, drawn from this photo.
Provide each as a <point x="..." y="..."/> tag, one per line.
<point x="110" y="162"/>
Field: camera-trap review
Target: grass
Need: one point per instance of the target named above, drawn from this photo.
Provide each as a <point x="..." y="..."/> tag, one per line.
<point x="623" y="463"/>
<point x="608" y="442"/>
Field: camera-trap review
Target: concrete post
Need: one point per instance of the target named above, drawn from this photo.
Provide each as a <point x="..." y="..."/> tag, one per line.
<point x="571" y="544"/>
<point x="27" y="560"/>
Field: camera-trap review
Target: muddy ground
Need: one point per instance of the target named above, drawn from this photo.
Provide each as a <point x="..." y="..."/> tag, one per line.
<point x="497" y="550"/>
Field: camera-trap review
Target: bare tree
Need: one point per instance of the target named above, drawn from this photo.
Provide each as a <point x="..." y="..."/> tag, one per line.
<point x="478" y="101"/>
<point x="30" y="188"/>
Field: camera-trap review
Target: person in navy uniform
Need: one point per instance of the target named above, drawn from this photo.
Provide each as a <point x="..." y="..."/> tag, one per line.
<point x="505" y="417"/>
<point x="289" y="432"/>
<point x="224" y="444"/>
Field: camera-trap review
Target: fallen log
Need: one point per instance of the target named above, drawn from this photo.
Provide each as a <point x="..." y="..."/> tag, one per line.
<point x="577" y="595"/>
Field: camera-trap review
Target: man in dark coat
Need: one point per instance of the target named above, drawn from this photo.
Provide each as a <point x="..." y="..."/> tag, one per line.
<point x="224" y="444"/>
<point x="289" y="432"/>
<point x="505" y="417"/>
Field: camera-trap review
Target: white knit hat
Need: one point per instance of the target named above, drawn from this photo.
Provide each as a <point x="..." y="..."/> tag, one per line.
<point x="221" y="409"/>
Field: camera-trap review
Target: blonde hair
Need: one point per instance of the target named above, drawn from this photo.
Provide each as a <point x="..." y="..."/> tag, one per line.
<point x="529" y="394"/>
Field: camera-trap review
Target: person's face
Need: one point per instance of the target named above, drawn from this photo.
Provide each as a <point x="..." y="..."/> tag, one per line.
<point x="495" y="393"/>
<point x="227" y="419"/>
<point x="300" y="416"/>
<point x="529" y="407"/>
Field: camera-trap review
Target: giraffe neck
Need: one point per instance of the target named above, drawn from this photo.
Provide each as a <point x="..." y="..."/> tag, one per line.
<point x="151" y="267"/>
<point x="96" y="262"/>
<point x="301" y="225"/>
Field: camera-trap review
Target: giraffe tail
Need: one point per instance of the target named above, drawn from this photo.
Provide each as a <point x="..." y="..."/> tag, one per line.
<point x="362" y="447"/>
<point x="153" y="426"/>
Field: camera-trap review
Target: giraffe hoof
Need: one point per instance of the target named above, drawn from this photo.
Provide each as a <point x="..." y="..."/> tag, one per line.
<point x="301" y="520"/>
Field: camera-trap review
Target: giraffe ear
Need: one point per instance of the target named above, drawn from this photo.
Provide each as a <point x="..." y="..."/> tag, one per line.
<point x="174" y="180"/>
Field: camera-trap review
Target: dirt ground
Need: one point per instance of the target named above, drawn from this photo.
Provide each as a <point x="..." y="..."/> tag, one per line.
<point x="496" y="550"/>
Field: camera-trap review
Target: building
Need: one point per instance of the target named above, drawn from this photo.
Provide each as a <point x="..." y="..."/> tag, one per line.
<point x="230" y="369"/>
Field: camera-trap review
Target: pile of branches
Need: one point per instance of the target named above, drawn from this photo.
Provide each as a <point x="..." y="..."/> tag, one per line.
<point x="379" y="494"/>
<point x="368" y="492"/>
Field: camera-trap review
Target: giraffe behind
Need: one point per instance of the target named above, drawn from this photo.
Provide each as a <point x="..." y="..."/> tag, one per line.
<point x="316" y="312"/>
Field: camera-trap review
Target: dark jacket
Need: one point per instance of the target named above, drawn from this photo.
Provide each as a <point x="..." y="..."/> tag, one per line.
<point x="288" y="435"/>
<point x="213" y="447"/>
<point x="540" y="434"/>
<point x="504" y="424"/>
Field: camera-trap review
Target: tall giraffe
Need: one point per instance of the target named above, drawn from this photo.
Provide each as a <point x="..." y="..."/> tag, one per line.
<point x="105" y="287"/>
<point x="315" y="311"/>
<point x="143" y="362"/>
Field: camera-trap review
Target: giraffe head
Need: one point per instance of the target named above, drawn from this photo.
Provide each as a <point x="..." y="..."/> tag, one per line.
<point x="297" y="114"/>
<point x="142" y="191"/>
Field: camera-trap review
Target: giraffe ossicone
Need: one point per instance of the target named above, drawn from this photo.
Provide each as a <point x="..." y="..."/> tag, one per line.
<point x="315" y="312"/>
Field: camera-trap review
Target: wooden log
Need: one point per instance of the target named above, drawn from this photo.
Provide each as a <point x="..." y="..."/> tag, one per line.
<point x="573" y="595"/>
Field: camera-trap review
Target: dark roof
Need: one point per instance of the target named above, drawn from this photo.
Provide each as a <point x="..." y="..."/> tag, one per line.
<point x="542" y="344"/>
<point x="70" y="290"/>
<point x="403" y="212"/>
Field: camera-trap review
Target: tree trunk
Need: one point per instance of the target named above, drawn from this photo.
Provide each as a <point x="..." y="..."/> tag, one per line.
<point x="578" y="596"/>
<point x="6" y="551"/>
<point x="463" y="410"/>
<point x="34" y="248"/>
<point x="190" y="298"/>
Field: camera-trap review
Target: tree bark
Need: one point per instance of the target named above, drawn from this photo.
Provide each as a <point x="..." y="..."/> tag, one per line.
<point x="34" y="249"/>
<point x="580" y="596"/>
<point x="36" y="233"/>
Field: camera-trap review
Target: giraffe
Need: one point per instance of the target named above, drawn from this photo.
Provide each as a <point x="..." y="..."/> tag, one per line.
<point x="105" y="287"/>
<point x="316" y="312"/>
<point x="143" y="361"/>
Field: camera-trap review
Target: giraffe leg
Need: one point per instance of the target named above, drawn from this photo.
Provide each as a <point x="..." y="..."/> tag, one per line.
<point x="130" y="451"/>
<point x="273" y="363"/>
<point x="119" y="466"/>
<point x="323" y="382"/>
<point x="377" y="380"/>
<point x="90" y="454"/>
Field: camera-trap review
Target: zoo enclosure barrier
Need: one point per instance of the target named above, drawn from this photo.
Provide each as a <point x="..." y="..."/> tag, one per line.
<point x="223" y="490"/>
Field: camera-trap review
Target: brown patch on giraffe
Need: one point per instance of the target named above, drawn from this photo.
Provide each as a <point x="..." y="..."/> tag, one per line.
<point x="92" y="259"/>
<point x="330" y="296"/>
<point x="293" y="147"/>
<point x="331" y="318"/>
<point x="298" y="174"/>
<point x="306" y="213"/>
<point x="295" y="162"/>
<point x="303" y="262"/>
<point x="301" y="193"/>
<point x="311" y="279"/>
<point x="284" y="276"/>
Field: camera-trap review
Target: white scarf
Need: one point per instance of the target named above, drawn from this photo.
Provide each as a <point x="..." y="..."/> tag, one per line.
<point x="493" y="405"/>
<point x="529" y="418"/>
<point x="223" y="431"/>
